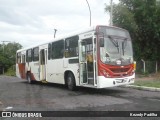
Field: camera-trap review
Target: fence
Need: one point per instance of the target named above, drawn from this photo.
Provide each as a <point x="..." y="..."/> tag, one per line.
<point x="147" y="67"/>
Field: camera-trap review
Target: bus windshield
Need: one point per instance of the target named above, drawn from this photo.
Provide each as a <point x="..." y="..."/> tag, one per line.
<point x="116" y="48"/>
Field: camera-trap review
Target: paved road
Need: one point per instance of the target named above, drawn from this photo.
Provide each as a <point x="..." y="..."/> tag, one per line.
<point x="16" y="95"/>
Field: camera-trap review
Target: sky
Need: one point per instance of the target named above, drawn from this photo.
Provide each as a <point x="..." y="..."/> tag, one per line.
<point x="30" y="22"/>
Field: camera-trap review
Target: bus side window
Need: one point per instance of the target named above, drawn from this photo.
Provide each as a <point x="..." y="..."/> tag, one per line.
<point x="18" y="57"/>
<point x="71" y="47"/>
<point x="36" y="54"/>
<point x="29" y="55"/>
<point x="58" y="49"/>
<point x="49" y="51"/>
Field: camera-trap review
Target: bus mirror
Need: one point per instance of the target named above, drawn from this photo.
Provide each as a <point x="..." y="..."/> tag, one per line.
<point x="101" y="42"/>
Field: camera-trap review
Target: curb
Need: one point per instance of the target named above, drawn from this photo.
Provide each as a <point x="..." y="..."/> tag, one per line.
<point x="153" y="89"/>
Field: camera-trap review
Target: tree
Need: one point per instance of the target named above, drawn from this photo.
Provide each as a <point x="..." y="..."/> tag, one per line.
<point x="8" y="54"/>
<point x="140" y="18"/>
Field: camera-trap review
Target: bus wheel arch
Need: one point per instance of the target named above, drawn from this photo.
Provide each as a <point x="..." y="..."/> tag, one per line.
<point x="70" y="80"/>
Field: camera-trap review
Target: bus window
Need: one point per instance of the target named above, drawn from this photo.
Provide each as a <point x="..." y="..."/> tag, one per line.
<point x="58" y="49"/>
<point x="18" y="57"/>
<point x="49" y="51"/>
<point x="71" y="47"/>
<point x="29" y="55"/>
<point x="23" y="58"/>
<point x="36" y="54"/>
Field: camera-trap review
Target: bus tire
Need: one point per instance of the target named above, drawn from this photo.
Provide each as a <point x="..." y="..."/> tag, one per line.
<point x="71" y="82"/>
<point x="29" y="78"/>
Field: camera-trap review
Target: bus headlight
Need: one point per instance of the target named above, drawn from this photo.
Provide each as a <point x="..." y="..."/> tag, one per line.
<point x="106" y="74"/>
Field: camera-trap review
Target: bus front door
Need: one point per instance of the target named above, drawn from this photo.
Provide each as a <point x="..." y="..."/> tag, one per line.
<point x="83" y="63"/>
<point x="86" y="62"/>
<point x="43" y="62"/>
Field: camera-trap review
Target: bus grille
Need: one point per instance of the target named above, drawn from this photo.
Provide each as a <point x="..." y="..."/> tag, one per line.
<point x="119" y="70"/>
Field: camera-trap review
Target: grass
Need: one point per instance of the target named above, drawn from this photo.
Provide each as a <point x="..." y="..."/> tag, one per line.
<point x="148" y="83"/>
<point x="152" y="80"/>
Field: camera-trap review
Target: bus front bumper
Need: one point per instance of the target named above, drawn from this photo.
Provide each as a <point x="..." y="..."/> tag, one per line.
<point x="111" y="82"/>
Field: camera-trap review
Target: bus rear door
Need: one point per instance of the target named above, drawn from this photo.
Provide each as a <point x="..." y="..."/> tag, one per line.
<point x="43" y="64"/>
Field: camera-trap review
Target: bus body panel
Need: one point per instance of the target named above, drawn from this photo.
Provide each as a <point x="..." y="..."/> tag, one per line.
<point x="55" y="71"/>
<point x="34" y="69"/>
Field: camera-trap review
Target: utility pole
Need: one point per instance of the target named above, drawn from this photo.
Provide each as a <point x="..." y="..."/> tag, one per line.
<point x="89" y="10"/>
<point x="111" y="21"/>
<point x="3" y="51"/>
<point x="55" y="30"/>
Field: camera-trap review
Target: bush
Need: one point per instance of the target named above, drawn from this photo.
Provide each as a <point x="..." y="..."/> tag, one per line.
<point x="11" y="72"/>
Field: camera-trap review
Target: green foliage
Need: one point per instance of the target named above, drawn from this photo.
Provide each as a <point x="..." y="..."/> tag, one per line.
<point x="11" y="72"/>
<point x="141" y="19"/>
<point x="8" y="54"/>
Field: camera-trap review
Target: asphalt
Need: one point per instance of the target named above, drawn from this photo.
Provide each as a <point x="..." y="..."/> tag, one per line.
<point x="17" y="95"/>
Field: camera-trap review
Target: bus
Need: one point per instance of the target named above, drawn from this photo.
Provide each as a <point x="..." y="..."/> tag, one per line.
<point x="97" y="57"/>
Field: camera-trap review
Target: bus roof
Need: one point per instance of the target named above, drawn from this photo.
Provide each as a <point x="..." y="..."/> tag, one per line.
<point x="66" y="36"/>
<point x="61" y="37"/>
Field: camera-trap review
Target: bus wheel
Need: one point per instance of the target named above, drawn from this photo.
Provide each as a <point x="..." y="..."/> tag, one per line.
<point x="29" y="78"/>
<point x="71" y="82"/>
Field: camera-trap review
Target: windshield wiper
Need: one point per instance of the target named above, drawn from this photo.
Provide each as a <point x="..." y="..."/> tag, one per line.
<point x="115" y="42"/>
<point x="124" y="44"/>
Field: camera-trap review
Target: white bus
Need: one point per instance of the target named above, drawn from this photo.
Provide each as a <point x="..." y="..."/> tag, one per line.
<point x="97" y="57"/>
